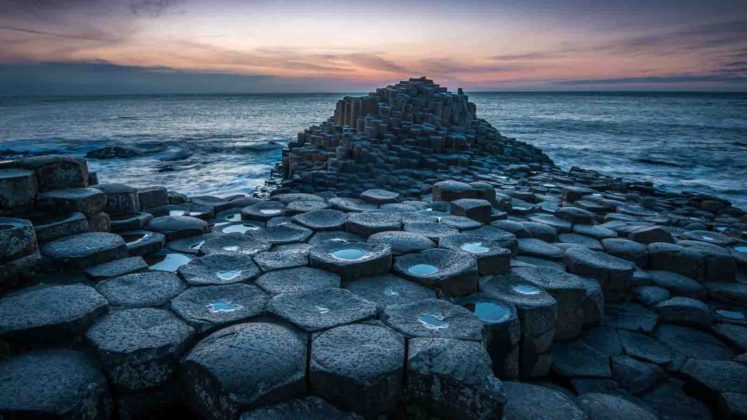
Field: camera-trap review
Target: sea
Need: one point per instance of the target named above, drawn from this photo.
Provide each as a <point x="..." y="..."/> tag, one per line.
<point x="226" y="144"/>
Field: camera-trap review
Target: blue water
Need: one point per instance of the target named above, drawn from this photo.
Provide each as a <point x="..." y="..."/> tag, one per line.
<point x="221" y="144"/>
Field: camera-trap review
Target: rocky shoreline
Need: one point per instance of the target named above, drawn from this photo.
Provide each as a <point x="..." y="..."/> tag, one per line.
<point x="405" y="260"/>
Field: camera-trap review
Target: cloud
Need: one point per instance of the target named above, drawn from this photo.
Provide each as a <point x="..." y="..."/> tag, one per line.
<point x="374" y="62"/>
<point x="451" y="67"/>
<point x="674" y="79"/>
<point x="153" y="8"/>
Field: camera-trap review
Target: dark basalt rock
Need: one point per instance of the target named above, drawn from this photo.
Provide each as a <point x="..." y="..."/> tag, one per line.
<point x="178" y="227"/>
<point x="351" y="204"/>
<point x="651" y="295"/>
<point x="304" y="206"/>
<point x="683" y="310"/>
<point x="263" y="211"/>
<point x="88" y="201"/>
<point x="351" y="260"/>
<point x="234" y="243"/>
<point x="435" y="319"/>
<point x="452" y="190"/>
<point x="53" y="384"/>
<point x="634" y="375"/>
<point x="309" y="408"/>
<point x="379" y="196"/>
<point x="219" y="269"/>
<point x="538" y="310"/>
<point x="613" y="274"/>
<point x="282" y="259"/>
<point x="335" y="236"/>
<point x="451" y="378"/>
<point x="672" y="403"/>
<point x="650" y="234"/>
<point x="455" y="273"/>
<point x="595" y="231"/>
<point x="402" y="242"/>
<point x="56" y="172"/>
<point x="368" y="223"/>
<point x="388" y="289"/>
<point x="133" y="357"/>
<point x="151" y="197"/>
<point x="731" y="293"/>
<point x="49" y="228"/>
<point x="475" y="209"/>
<point x="358" y="367"/>
<point x="459" y="222"/>
<point x="211" y="307"/>
<point x="708" y="378"/>
<point x="297" y="280"/>
<point x="685" y="342"/>
<point x="576" y="359"/>
<point x="218" y="204"/>
<point x="120" y="198"/>
<point x="492" y="258"/>
<point x="433" y="231"/>
<point x="576" y="215"/>
<point x="541" y="231"/>
<point x="17" y="239"/>
<point x="527" y="401"/>
<point x="116" y="268"/>
<point x="18" y="187"/>
<point x="631" y="316"/>
<point x="243" y="367"/>
<point x="143" y="242"/>
<point x="561" y="225"/>
<point x="129" y="221"/>
<point x="677" y="284"/>
<point x="670" y="257"/>
<point x="283" y="234"/>
<point x="293" y="197"/>
<point x="574" y="239"/>
<point x="150" y="288"/>
<point x="86" y="249"/>
<point x="610" y="407"/>
<point x="49" y="314"/>
<point x="325" y="219"/>
<point x="321" y="309"/>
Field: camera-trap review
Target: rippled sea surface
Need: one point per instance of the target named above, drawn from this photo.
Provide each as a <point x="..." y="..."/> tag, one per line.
<point x="221" y="144"/>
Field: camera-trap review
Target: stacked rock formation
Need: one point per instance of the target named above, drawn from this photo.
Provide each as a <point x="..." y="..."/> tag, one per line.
<point x="526" y="294"/>
<point x="401" y="137"/>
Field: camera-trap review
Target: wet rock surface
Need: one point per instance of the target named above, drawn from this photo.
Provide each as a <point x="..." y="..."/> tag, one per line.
<point x="403" y="249"/>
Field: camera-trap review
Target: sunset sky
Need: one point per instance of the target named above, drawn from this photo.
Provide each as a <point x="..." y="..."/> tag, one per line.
<point x="152" y="46"/>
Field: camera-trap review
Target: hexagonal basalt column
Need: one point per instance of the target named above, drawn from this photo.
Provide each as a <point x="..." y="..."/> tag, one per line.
<point x="339" y="374"/>
<point x="452" y="190"/>
<point x="492" y="258"/>
<point x="453" y="272"/>
<point x="503" y="331"/>
<point x="120" y="198"/>
<point x="211" y="307"/>
<point x="379" y="196"/>
<point x="402" y="242"/>
<point x="133" y="355"/>
<point x="151" y="197"/>
<point x="177" y="227"/>
<point x="569" y="292"/>
<point x="53" y="384"/>
<point x="129" y="221"/>
<point x="434" y="318"/>
<point x="433" y="231"/>
<point x="351" y="260"/>
<point x="538" y="312"/>
<point x="388" y="289"/>
<point x="263" y="211"/>
<point x="17" y="239"/>
<point x="283" y="234"/>
<point x="51" y="227"/>
<point x="219" y="269"/>
<point x="17" y="189"/>
<point x="325" y="219"/>
<point x="477" y="210"/>
<point x="49" y="314"/>
<point x="368" y="223"/>
<point x="613" y="274"/>
<point x="235" y="243"/>
<point x="85" y="249"/>
<point x="351" y="204"/>
<point x="143" y="242"/>
<point x="88" y="201"/>
<point x="297" y="280"/>
<point x="307" y="408"/>
<point x="150" y="288"/>
<point x="321" y="309"/>
<point x="56" y="172"/>
<point x="504" y="239"/>
<point x="242" y="367"/>
<point x="451" y="379"/>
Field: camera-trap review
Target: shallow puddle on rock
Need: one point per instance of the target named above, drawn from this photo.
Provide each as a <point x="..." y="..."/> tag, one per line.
<point x="177" y="212"/>
<point x="349" y="254"/>
<point x="490" y="312"/>
<point x="526" y="289"/>
<point x="322" y="310"/>
<point x="240" y="228"/>
<point x="391" y="292"/>
<point x="741" y="248"/>
<point x="234" y="217"/>
<point x="433" y="322"/>
<point x="232" y="248"/>
<point x="733" y="315"/>
<point x="228" y="275"/>
<point x="222" y="306"/>
<point x="269" y="211"/>
<point x="133" y="239"/>
<point x="422" y="269"/>
<point x="170" y="262"/>
<point x="475" y="247"/>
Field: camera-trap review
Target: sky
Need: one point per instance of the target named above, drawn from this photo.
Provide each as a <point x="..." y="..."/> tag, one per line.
<point x="245" y="46"/>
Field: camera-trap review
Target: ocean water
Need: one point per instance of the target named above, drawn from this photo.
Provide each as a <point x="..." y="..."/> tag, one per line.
<point x="224" y="144"/>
